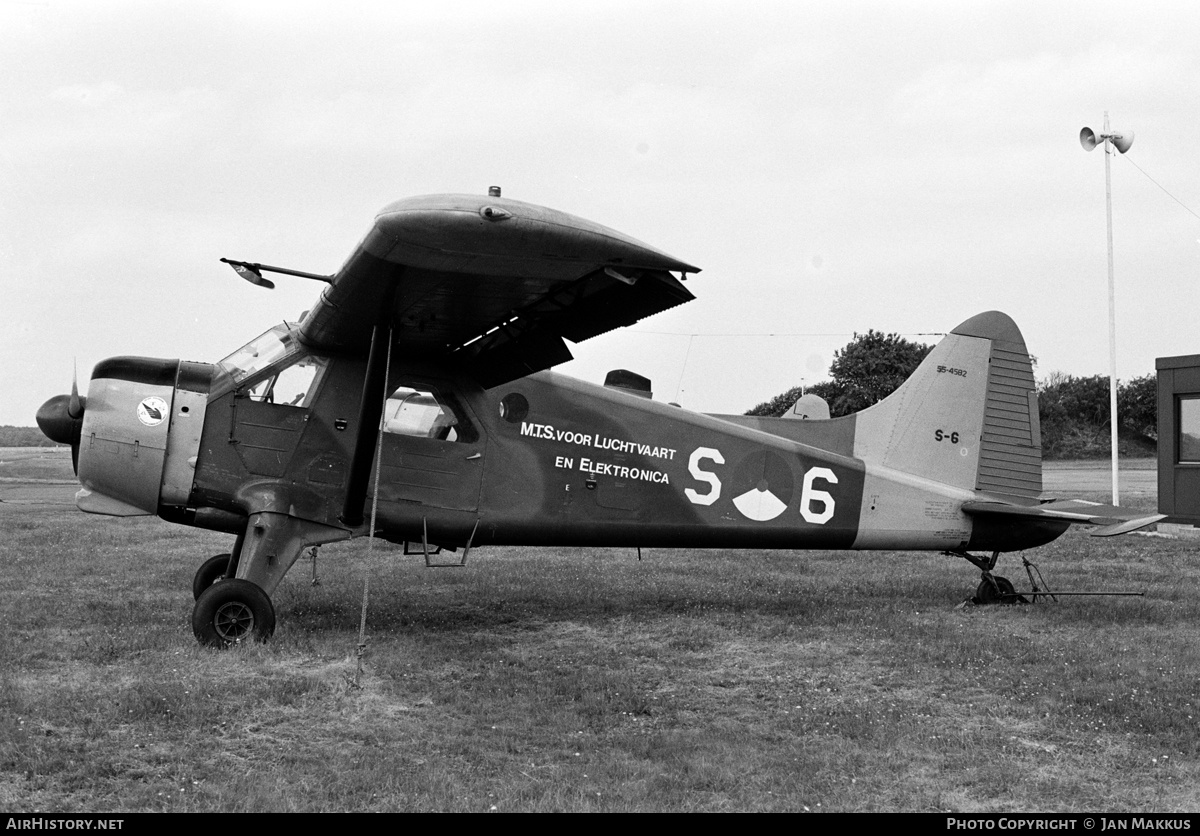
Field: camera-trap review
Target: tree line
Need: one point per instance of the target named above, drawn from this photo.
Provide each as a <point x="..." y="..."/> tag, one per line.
<point x="11" y="436"/>
<point x="1073" y="411"/>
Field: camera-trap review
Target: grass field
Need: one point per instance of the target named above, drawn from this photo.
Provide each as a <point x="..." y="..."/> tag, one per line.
<point x="584" y="679"/>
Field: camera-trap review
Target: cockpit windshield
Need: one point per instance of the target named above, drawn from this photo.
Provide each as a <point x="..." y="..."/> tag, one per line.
<point x="261" y="352"/>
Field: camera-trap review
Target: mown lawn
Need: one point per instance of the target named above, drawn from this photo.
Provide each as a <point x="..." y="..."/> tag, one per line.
<point x="586" y="679"/>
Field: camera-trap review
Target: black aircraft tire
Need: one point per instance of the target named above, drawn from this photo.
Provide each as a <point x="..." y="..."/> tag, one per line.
<point x="210" y="571"/>
<point x="231" y="612"/>
<point x="1002" y="593"/>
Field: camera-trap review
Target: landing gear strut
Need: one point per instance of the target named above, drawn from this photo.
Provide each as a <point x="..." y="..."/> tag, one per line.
<point x="233" y="591"/>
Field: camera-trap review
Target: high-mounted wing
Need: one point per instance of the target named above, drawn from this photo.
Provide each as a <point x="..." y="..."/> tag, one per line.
<point x="495" y="283"/>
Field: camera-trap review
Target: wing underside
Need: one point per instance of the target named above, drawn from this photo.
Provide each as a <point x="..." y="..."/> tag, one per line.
<point x="497" y="285"/>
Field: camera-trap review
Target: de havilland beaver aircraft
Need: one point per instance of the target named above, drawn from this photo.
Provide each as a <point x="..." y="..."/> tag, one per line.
<point x="419" y="384"/>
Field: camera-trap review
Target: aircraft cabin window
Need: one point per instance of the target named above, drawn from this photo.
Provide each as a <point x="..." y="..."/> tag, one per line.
<point x="422" y="413"/>
<point x="294" y="385"/>
<point x="1189" y="430"/>
<point x="264" y="350"/>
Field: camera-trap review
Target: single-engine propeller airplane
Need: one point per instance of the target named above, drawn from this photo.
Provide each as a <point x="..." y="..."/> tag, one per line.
<point x="426" y="360"/>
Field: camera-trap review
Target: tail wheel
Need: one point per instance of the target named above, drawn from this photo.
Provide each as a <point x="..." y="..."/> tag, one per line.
<point x="231" y="612"/>
<point x="210" y="571"/>
<point x="997" y="590"/>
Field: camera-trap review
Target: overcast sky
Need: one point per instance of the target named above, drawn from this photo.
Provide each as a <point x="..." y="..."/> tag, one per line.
<point x="832" y="167"/>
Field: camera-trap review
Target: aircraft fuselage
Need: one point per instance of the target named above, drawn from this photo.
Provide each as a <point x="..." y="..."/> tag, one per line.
<point x="552" y="461"/>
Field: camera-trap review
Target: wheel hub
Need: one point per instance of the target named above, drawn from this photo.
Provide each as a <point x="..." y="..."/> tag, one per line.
<point x="233" y="622"/>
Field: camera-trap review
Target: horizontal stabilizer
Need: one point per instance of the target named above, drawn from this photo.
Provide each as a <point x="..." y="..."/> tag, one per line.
<point x="1112" y="519"/>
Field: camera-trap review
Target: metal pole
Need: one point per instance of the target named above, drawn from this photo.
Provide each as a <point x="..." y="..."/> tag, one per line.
<point x="1112" y="314"/>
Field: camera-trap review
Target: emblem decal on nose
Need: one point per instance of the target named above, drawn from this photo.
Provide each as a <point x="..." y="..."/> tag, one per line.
<point x="152" y="411"/>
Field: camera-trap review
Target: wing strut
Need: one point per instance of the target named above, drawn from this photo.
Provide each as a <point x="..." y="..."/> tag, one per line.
<point x="370" y="411"/>
<point x="378" y="453"/>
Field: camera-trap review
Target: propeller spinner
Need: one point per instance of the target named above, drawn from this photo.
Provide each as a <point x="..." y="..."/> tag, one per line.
<point x="61" y="420"/>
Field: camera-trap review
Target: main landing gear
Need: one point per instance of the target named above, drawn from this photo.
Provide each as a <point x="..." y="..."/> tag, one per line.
<point x="228" y="610"/>
<point x="231" y="612"/>
<point x="233" y="591"/>
<point x="992" y="589"/>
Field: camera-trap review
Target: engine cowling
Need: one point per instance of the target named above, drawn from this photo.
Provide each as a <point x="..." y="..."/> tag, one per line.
<point x="140" y="434"/>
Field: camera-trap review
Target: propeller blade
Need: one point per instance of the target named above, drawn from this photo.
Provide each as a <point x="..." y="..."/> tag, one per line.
<point x="75" y="405"/>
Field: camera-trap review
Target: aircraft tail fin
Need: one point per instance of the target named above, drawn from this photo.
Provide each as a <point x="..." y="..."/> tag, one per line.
<point x="967" y="416"/>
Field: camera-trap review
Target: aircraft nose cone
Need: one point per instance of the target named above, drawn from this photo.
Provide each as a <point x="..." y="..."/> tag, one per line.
<point x="56" y="421"/>
<point x="61" y="420"/>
